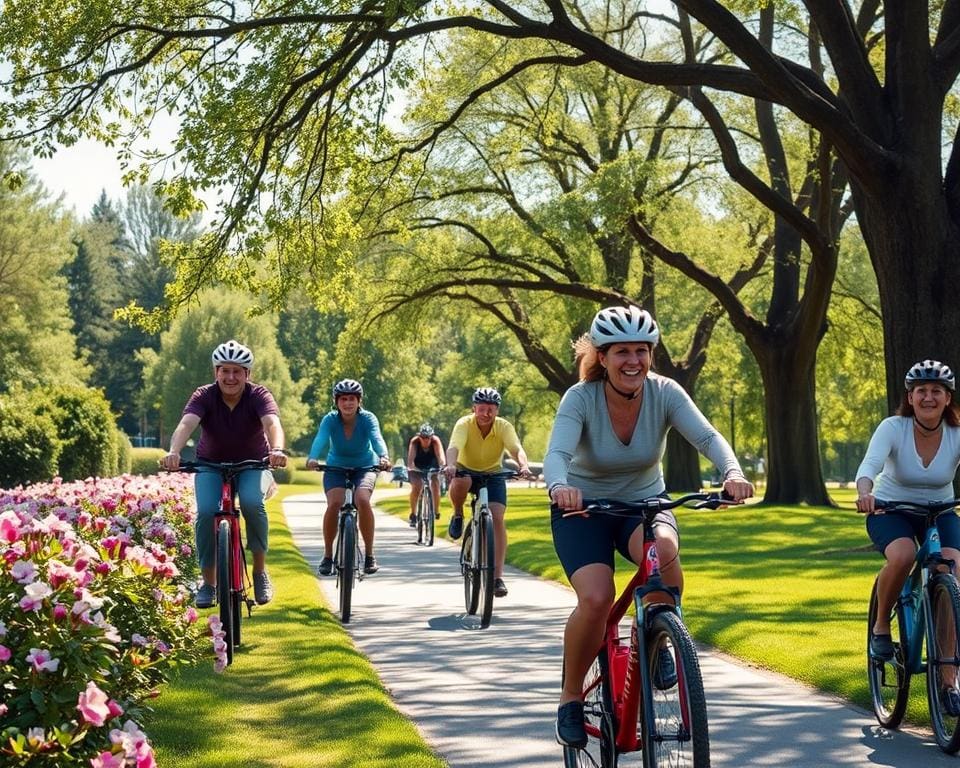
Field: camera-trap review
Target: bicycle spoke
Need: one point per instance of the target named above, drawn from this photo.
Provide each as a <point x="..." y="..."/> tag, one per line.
<point x="943" y="660"/>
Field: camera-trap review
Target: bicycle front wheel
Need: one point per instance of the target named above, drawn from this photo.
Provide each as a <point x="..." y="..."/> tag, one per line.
<point x="421" y="529"/>
<point x="347" y="565"/>
<point x="675" y="731"/>
<point x="889" y="680"/>
<point x="428" y="516"/>
<point x="471" y="576"/>
<point x="224" y="599"/>
<point x="487" y="557"/>
<point x="943" y="658"/>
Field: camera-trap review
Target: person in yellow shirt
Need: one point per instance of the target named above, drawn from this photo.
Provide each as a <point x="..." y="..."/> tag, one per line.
<point x="477" y="443"/>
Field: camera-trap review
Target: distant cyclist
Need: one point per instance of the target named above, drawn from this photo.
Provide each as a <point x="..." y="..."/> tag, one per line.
<point x="424" y="452"/>
<point x="478" y="443"/>
<point x="238" y="421"/>
<point x="607" y="441"/>
<point x="349" y="436"/>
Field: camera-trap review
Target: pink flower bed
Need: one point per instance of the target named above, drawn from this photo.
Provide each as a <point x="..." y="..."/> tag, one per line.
<point x="94" y="614"/>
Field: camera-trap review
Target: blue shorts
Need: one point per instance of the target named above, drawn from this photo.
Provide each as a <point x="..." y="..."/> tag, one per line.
<point x="883" y="529"/>
<point x="336" y="478"/>
<point x="581" y="541"/>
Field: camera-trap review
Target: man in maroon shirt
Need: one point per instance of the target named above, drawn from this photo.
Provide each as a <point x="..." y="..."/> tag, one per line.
<point x="238" y="420"/>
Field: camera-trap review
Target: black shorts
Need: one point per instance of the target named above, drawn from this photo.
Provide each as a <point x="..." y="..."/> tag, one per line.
<point x="581" y="541"/>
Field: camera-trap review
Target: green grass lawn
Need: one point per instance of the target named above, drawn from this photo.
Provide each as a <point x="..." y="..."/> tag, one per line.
<point x="298" y="693"/>
<point x="785" y="588"/>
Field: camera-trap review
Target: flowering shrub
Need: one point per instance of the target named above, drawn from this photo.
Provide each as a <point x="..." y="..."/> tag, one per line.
<point x="93" y="616"/>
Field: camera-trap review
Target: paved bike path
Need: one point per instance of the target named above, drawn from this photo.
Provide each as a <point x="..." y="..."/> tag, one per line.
<point x="487" y="698"/>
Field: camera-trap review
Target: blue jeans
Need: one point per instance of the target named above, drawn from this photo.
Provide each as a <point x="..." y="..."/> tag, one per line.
<point x="207" y="486"/>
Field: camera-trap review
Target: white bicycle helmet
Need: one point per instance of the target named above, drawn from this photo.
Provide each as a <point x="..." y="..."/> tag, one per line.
<point x="486" y="395"/>
<point x="930" y="371"/>
<point x="425" y="430"/>
<point x="347" y="387"/>
<point x="623" y="324"/>
<point x="232" y="353"/>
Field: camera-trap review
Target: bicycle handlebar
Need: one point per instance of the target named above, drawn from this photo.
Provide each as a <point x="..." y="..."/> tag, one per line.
<point x="652" y="505"/>
<point x="223" y="466"/>
<point x="917" y="508"/>
<point x="325" y="467"/>
<point x="418" y="471"/>
<point x="507" y="474"/>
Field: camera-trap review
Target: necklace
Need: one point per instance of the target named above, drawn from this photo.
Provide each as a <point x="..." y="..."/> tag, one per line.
<point x="927" y="431"/>
<point x="624" y="395"/>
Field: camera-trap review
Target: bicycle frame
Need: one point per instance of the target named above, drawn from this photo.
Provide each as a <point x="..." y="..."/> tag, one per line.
<point x="239" y="579"/>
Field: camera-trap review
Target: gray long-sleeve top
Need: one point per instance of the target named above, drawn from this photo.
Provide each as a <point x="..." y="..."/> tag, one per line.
<point x="585" y="452"/>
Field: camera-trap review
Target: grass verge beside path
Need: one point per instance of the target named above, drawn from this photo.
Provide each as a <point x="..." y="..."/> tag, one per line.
<point x="785" y="588"/>
<point x="298" y="694"/>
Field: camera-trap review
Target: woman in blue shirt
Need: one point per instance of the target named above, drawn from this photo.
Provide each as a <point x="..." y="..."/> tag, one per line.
<point x="350" y="437"/>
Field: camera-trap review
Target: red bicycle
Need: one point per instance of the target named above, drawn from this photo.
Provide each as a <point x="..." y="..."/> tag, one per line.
<point x="635" y="713"/>
<point x="233" y="580"/>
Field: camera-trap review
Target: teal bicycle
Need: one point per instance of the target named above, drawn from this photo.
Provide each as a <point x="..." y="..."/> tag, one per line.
<point x="926" y="615"/>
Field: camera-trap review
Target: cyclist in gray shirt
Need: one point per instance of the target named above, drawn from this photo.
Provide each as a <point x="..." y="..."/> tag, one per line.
<point x="608" y="440"/>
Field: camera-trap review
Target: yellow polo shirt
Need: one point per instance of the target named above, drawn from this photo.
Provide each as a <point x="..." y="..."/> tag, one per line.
<point x="479" y="453"/>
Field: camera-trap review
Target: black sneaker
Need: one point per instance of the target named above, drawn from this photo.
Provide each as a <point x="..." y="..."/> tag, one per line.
<point x="570" y="730"/>
<point x="455" y="529"/>
<point x="262" y="588"/>
<point x="413" y="521"/>
<point x="326" y="566"/>
<point x="665" y="675"/>
<point x="950" y="698"/>
<point x="370" y="564"/>
<point x="206" y="596"/>
<point x="499" y="588"/>
<point x="881" y="647"/>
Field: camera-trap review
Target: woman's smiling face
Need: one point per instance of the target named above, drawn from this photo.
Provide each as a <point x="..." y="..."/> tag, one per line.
<point x="627" y="364"/>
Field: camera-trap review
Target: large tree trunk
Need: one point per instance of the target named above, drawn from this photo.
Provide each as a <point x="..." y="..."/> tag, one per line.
<point x="681" y="460"/>
<point x="915" y="248"/>
<point x="791" y="411"/>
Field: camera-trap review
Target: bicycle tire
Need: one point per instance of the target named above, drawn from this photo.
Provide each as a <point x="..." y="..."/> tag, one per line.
<point x="429" y="515"/>
<point x="347" y="570"/>
<point x="675" y="732"/>
<point x="471" y="576"/>
<point x="420" y="519"/>
<point x="224" y="599"/>
<point x="943" y="656"/>
<point x="889" y="680"/>
<point x="486" y="568"/>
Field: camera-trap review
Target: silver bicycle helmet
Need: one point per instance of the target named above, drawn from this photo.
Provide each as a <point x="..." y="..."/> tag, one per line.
<point x="623" y="324"/>
<point x="930" y="371"/>
<point x="232" y="353"/>
<point x="425" y="430"/>
<point x="347" y="387"/>
<point x="486" y="395"/>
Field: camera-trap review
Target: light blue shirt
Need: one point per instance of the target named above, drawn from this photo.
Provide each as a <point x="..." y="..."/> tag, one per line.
<point x="903" y="476"/>
<point x="362" y="449"/>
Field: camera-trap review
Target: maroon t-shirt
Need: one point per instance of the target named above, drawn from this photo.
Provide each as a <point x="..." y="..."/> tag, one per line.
<point x="232" y="435"/>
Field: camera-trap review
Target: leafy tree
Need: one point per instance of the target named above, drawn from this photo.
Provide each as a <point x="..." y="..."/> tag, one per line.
<point x="36" y="343"/>
<point x="183" y="361"/>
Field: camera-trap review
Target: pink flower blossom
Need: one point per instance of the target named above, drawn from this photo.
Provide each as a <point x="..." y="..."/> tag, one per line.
<point x="9" y="526"/>
<point x="35" y="595"/>
<point x="108" y="760"/>
<point x="4" y="653"/>
<point x="92" y="704"/>
<point x="59" y="612"/>
<point x="191" y="614"/>
<point x="41" y="660"/>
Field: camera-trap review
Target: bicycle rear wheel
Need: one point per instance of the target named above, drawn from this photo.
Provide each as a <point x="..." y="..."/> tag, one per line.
<point x="471" y="576"/>
<point x="224" y="599"/>
<point x="943" y="657"/>
<point x="889" y="680"/>
<point x="675" y="732"/>
<point x="428" y="515"/>
<point x="487" y="557"/>
<point x="346" y="565"/>
<point x="600" y="751"/>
